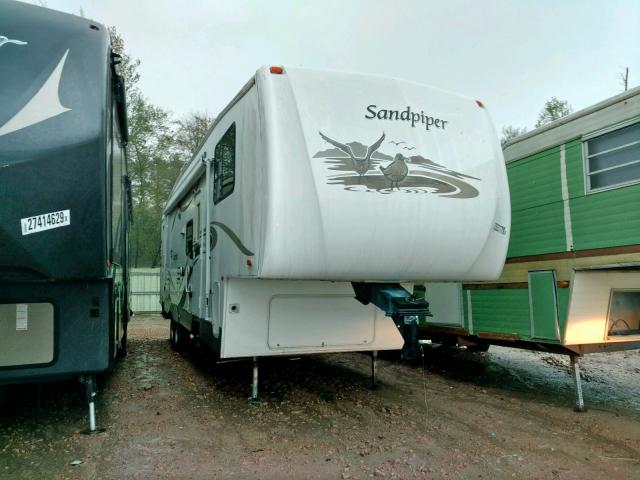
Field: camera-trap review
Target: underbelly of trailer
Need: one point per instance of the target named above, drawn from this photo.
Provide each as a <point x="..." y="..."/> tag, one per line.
<point x="286" y="317"/>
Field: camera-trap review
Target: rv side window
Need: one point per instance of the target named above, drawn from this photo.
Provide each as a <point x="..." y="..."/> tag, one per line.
<point x="224" y="165"/>
<point x="188" y="238"/>
<point x="613" y="158"/>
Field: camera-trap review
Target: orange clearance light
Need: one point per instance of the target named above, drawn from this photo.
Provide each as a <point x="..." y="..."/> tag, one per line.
<point x="249" y="262"/>
<point x="563" y="283"/>
<point x="276" y="70"/>
<point x="479" y="103"/>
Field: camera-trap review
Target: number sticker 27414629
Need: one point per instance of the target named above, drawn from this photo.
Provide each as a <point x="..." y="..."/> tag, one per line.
<point x="46" y="221"/>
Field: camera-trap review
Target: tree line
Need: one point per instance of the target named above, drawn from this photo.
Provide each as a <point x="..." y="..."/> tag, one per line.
<point x="553" y="109"/>
<point x="159" y="145"/>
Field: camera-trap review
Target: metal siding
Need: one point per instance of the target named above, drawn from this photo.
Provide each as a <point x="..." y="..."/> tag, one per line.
<point x="544" y="310"/>
<point x="145" y="290"/>
<point x="501" y="311"/>
<point x="575" y="168"/>
<point x="607" y="219"/>
<point x="536" y="204"/>
<point x="537" y="230"/>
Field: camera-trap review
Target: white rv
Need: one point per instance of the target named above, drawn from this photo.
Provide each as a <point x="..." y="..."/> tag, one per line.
<point x="313" y="188"/>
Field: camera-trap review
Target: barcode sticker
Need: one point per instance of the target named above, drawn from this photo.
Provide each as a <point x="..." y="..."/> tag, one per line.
<point x="22" y="316"/>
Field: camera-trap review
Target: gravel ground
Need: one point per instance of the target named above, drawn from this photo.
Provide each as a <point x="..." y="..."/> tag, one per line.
<point x="501" y="414"/>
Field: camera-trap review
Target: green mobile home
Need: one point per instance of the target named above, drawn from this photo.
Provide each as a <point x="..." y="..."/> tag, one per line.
<point x="571" y="283"/>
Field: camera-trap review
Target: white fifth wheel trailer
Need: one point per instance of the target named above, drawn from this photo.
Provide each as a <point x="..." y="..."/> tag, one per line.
<point x="313" y="196"/>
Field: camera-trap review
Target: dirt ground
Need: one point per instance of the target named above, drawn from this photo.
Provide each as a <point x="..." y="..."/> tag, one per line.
<point x="501" y="414"/>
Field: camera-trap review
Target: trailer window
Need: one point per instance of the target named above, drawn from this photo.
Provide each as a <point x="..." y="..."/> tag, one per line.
<point x="224" y="165"/>
<point x="613" y="158"/>
<point x="624" y="313"/>
<point x="188" y="239"/>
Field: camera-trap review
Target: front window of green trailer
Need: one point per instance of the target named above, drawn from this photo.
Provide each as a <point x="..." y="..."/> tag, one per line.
<point x="612" y="157"/>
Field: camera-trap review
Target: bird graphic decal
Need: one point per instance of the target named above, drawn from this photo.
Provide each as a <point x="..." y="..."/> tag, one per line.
<point x="361" y="165"/>
<point x="357" y="167"/>
<point x="396" y="171"/>
<point x="4" y="40"/>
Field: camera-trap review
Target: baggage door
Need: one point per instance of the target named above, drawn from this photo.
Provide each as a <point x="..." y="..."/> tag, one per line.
<point x="543" y="305"/>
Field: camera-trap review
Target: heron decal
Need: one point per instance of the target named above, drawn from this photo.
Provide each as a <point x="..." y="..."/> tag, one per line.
<point x="365" y="168"/>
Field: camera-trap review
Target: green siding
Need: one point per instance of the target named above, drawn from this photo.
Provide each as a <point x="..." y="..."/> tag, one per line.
<point x="465" y="310"/>
<point x="575" y="168"/>
<point x="537" y="215"/>
<point x="537" y="230"/>
<point x="535" y="180"/>
<point x="606" y="219"/>
<point x="501" y="311"/>
<point x="542" y="293"/>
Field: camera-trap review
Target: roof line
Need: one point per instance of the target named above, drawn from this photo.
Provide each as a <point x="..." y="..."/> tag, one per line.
<point x="579" y="114"/>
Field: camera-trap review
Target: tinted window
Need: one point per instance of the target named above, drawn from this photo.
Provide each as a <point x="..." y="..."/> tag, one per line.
<point x="224" y="165"/>
<point x="188" y="238"/>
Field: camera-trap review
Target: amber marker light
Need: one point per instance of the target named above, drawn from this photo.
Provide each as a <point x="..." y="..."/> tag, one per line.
<point x="249" y="262"/>
<point x="563" y="283"/>
<point x="276" y="70"/>
<point x="479" y="103"/>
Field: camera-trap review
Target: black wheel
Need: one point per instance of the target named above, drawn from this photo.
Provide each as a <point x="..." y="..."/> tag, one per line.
<point x="178" y="336"/>
<point x="479" y="347"/>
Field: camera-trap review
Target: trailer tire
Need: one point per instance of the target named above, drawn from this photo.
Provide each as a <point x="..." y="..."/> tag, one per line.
<point x="480" y="347"/>
<point x="178" y="336"/>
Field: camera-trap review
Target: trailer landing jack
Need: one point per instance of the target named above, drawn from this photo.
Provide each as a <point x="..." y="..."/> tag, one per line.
<point x="577" y="382"/>
<point x="90" y="389"/>
<point x="374" y="368"/>
<point x="253" y="399"/>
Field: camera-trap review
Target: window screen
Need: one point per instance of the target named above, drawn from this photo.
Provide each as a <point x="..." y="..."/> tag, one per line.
<point x="613" y="158"/>
<point x="224" y="165"/>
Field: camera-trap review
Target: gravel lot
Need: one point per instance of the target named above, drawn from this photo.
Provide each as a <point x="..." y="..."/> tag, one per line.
<point x="501" y="414"/>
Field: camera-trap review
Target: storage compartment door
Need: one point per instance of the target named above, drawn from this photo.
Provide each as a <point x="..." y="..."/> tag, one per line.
<point x="304" y="321"/>
<point x="543" y="305"/>
<point x="26" y="334"/>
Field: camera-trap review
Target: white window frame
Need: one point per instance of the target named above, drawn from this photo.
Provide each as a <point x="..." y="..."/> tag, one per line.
<point x="585" y="157"/>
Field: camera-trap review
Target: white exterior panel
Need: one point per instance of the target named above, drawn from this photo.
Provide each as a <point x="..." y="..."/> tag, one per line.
<point x="328" y="221"/>
<point x="280" y="317"/>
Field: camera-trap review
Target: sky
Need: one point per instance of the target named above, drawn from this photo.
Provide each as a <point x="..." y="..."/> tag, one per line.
<point x="513" y="55"/>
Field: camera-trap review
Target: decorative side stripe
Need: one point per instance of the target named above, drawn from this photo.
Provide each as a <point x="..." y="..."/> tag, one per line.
<point x="43" y="105"/>
<point x="231" y="234"/>
<point x="568" y="230"/>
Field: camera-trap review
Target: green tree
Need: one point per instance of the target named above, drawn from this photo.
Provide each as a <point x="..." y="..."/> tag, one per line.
<point x="510" y="132"/>
<point x="553" y="110"/>
<point x="158" y="148"/>
<point x="190" y="131"/>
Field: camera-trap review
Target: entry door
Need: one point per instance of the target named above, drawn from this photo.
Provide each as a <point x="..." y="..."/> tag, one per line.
<point x="543" y="305"/>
